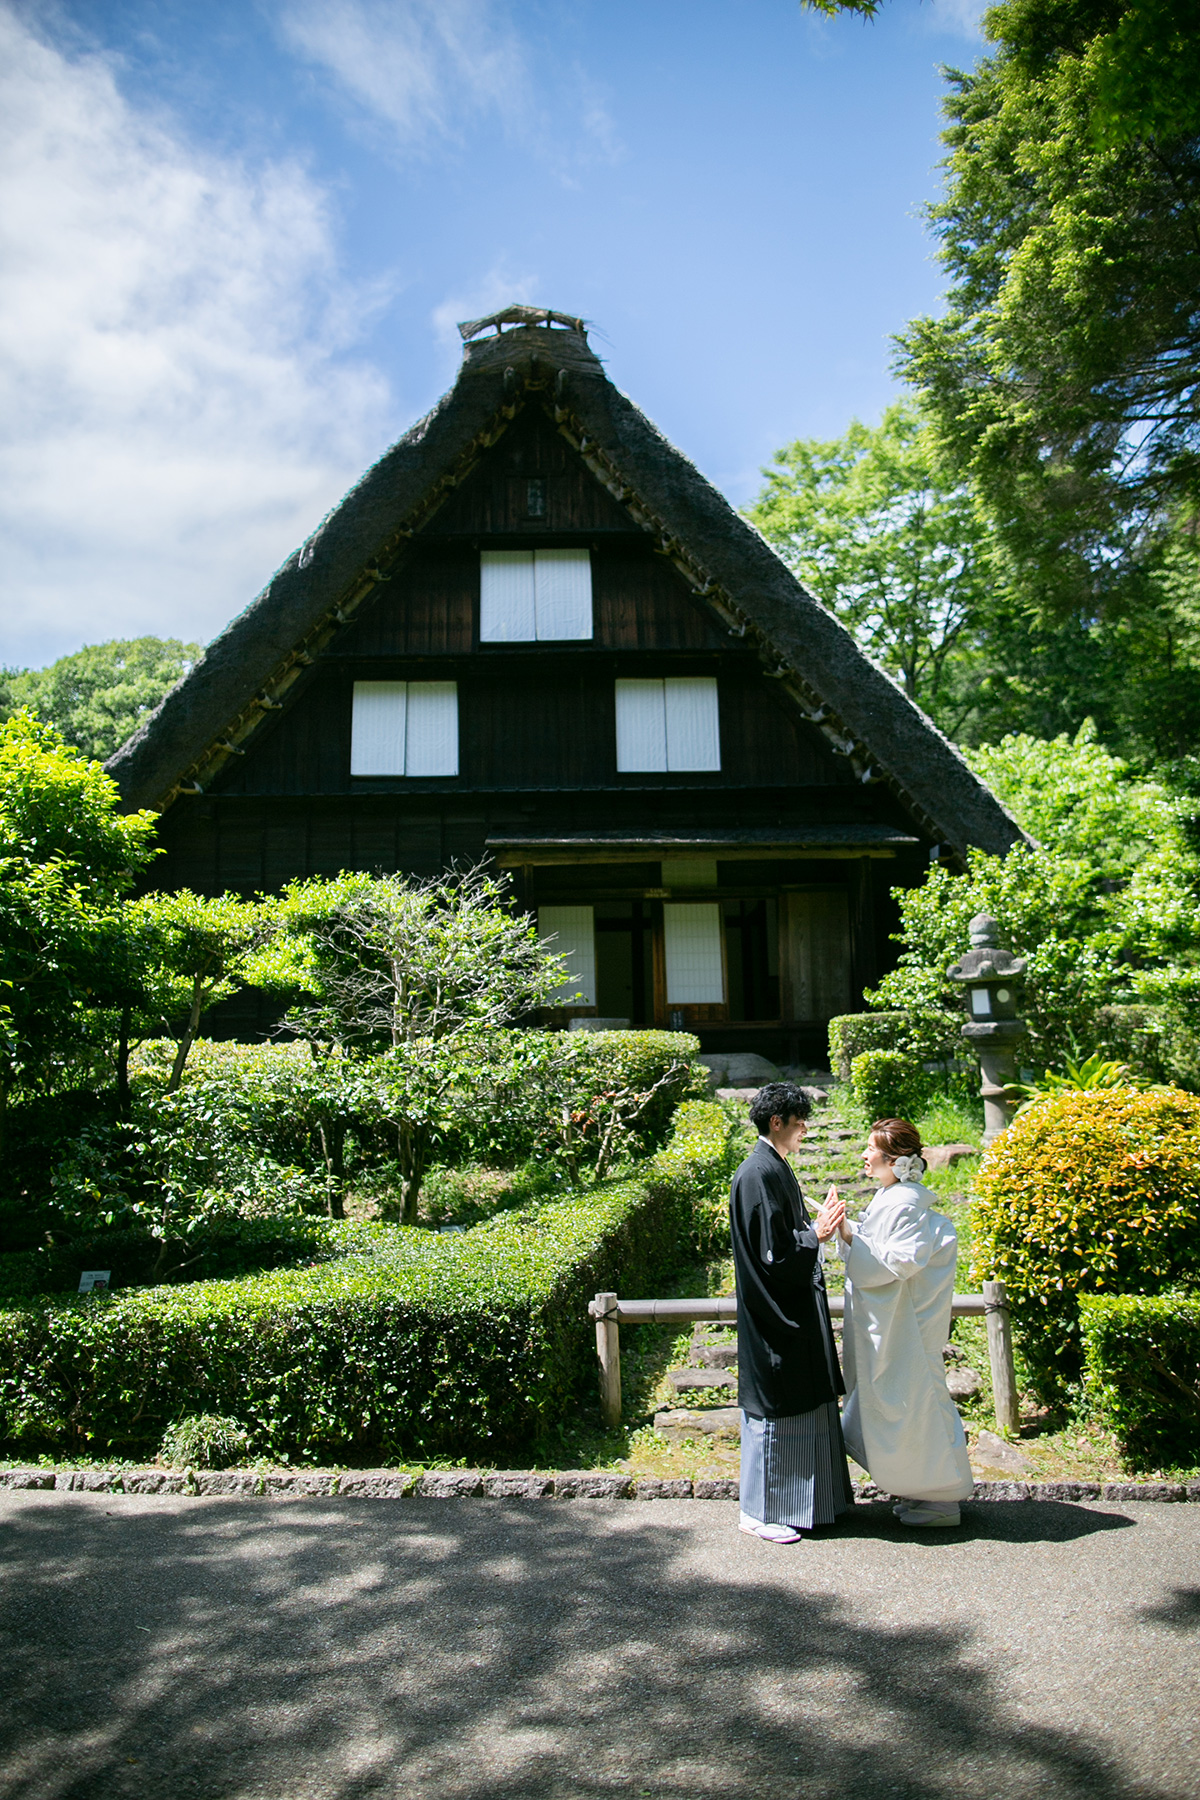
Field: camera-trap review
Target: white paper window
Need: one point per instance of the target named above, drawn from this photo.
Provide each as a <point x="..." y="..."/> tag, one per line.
<point x="641" y="726"/>
<point x="692" y="939"/>
<point x="574" y="933"/>
<point x="528" y="595"/>
<point x="404" y="728"/>
<point x="668" y="725"/>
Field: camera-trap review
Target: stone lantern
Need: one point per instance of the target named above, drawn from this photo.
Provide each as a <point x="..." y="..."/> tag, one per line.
<point x="991" y="977"/>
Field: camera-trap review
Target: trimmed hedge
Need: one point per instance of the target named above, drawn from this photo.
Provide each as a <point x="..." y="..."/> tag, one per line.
<point x="1087" y="1193"/>
<point x="232" y="1247"/>
<point x="889" y="1085"/>
<point x="1142" y="1371"/>
<point x="852" y="1034"/>
<point x="432" y="1345"/>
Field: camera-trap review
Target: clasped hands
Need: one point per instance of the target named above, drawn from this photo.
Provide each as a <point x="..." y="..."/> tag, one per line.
<point x="831" y="1218"/>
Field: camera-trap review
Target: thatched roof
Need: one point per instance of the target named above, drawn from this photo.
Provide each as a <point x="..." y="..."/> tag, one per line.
<point x="545" y="360"/>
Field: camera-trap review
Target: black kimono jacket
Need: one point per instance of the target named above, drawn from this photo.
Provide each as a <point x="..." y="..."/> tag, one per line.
<point x="787" y="1363"/>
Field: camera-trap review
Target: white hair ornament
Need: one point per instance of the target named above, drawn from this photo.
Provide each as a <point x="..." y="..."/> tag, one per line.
<point x="908" y="1168"/>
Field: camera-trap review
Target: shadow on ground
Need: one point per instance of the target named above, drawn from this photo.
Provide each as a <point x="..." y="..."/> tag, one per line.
<point x="461" y="1650"/>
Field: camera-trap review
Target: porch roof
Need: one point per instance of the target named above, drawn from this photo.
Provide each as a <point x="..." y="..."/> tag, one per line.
<point x="760" y="844"/>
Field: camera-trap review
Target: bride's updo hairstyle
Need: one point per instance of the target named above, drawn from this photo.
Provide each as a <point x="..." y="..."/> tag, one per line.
<point x="896" y="1137"/>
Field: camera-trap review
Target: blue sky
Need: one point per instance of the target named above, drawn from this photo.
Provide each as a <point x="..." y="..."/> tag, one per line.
<point x="236" y="236"/>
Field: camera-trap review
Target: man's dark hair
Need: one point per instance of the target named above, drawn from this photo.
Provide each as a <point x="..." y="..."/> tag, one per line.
<point x="782" y="1098"/>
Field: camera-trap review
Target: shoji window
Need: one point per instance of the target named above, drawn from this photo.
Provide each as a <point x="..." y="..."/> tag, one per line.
<point x="574" y="933"/>
<point x="695" y="966"/>
<point x="534" y="594"/>
<point x="668" y="725"/>
<point x="404" y="728"/>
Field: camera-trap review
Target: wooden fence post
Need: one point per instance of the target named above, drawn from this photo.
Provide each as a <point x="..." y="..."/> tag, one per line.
<point x="608" y="1349"/>
<point x="1000" y="1350"/>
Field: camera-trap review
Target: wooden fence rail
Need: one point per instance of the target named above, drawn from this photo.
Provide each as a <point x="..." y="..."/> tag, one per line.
<point x="611" y="1312"/>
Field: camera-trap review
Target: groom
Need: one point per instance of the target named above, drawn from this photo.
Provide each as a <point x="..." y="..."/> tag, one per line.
<point x="794" y="1472"/>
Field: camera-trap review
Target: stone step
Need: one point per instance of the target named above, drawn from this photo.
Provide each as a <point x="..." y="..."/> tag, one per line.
<point x="713" y="1337"/>
<point x="712" y="1422"/>
<point x="715" y="1356"/>
<point x="694" y="1380"/>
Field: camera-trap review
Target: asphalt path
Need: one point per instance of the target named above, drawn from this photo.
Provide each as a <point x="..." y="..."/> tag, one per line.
<point x="509" y="1650"/>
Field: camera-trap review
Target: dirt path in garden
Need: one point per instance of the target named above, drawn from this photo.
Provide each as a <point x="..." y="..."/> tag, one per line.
<point x="331" y="1650"/>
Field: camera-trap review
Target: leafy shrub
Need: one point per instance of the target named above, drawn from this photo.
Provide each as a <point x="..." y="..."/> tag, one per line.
<point x="1134" y="1035"/>
<point x="1159" y="1042"/>
<point x="1142" y="1370"/>
<point x="889" y="1085"/>
<point x="204" y="1441"/>
<point x="1087" y="1193"/>
<point x="851" y="1034"/>
<point x="1042" y="904"/>
<point x="258" y="1130"/>
<point x="1096" y="1074"/>
<point x="426" y="1344"/>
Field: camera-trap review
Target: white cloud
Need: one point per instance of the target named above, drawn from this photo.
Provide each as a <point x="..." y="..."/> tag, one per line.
<point x="954" y="18"/>
<point x="425" y="71"/>
<point x="417" y="65"/>
<point x="177" y="408"/>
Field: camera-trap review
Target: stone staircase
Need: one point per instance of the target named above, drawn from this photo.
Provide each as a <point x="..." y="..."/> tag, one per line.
<point x="711" y="1371"/>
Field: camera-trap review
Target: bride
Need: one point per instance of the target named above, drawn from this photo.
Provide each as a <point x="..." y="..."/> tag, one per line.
<point x="899" y="1420"/>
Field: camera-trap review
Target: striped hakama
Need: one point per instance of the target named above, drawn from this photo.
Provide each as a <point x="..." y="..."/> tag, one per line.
<point x="794" y="1469"/>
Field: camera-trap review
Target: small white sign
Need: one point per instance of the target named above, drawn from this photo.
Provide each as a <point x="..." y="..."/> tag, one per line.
<point x="95" y="1281"/>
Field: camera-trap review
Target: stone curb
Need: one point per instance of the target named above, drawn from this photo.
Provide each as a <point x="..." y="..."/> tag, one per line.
<point x="512" y="1484"/>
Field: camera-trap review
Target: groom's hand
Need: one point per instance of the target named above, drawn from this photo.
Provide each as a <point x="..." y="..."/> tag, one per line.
<point x="830" y="1216"/>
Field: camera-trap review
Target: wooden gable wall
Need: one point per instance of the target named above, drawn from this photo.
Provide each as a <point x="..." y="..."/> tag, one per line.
<point x="537" y="740"/>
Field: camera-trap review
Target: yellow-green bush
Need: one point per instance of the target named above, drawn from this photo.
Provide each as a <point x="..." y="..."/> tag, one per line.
<point x="1087" y="1193"/>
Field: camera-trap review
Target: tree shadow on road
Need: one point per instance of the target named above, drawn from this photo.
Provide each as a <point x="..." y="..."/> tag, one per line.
<point x="474" y="1650"/>
<point x="1181" y="1611"/>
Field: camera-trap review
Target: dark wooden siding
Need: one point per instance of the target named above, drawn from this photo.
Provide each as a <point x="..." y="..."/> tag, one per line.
<point x="495" y="496"/>
<point x="531" y="722"/>
<point x="429" y="608"/>
<point x="643" y="603"/>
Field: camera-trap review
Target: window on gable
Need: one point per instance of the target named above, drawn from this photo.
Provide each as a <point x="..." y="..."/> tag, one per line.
<point x="534" y="595"/>
<point x="668" y="725"/>
<point x="404" y="728"/>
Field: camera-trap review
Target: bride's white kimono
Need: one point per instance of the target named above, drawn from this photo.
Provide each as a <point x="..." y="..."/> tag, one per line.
<point x="899" y="1420"/>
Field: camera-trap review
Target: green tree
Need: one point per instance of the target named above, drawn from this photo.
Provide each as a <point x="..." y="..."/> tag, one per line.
<point x="891" y="547"/>
<point x="98" y="696"/>
<point x="195" y="952"/>
<point x="1143" y="55"/>
<point x="1062" y="378"/>
<point x="416" y="975"/>
<point x="1081" y="801"/>
<point x="67" y="858"/>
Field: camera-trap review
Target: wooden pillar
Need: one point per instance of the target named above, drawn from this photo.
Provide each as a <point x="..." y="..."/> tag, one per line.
<point x="1000" y="1351"/>
<point x="608" y="1349"/>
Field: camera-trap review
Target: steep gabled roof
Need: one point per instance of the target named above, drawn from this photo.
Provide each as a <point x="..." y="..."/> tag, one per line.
<point x="545" y="360"/>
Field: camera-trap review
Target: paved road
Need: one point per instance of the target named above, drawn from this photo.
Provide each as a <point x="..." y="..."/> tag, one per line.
<point x="493" y="1650"/>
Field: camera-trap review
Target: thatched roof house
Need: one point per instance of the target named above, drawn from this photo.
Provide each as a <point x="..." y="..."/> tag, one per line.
<point x="534" y="631"/>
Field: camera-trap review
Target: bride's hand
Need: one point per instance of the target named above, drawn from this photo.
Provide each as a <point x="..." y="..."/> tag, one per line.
<point x="830" y="1217"/>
